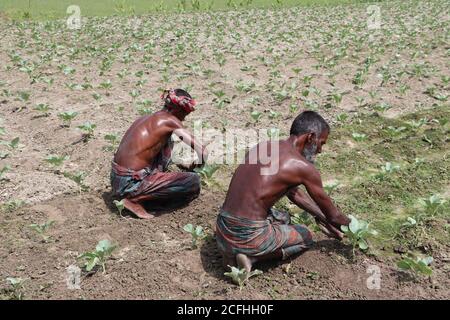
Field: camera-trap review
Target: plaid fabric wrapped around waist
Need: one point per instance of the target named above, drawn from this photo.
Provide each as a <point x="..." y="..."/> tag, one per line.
<point x="251" y="237"/>
<point x="125" y="180"/>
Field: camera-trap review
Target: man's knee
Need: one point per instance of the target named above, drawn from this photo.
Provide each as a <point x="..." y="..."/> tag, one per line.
<point x="195" y="184"/>
<point x="306" y="235"/>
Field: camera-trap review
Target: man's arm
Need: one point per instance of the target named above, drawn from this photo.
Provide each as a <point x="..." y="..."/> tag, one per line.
<point x="189" y="139"/>
<point x="304" y="202"/>
<point x="313" y="183"/>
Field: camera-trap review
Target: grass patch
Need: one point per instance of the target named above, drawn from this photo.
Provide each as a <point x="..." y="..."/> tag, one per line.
<point x="53" y="9"/>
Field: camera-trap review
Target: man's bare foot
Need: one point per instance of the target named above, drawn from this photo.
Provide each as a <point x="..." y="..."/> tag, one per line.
<point x="244" y="262"/>
<point x="137" y="209"/>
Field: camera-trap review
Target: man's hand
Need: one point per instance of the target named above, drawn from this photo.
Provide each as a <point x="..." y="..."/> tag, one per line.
<point x="306" y="203"/>
<point x="329" y="230"/>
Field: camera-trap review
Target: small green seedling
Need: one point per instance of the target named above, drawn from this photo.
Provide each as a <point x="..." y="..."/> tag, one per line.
<point x="241" y="276"/>
<point x="382" y="107"/>
<point x="197" y="234"/>
<point x="341" y="117"/>
<point x="410" y="222"/>
<point x="17" y="286"/>
<point x="119" y="205"/>
<point x="359" y="137"/>
<point x="24" y="96"/>
<point x="88" y="129"/>
<point x="113" y="139"/>
<point x="256" y="115"/>
<point x="43" y="108"/>
<point x="337" y="97"/>
<point x="11" y="205"/>
<point x="67" y="117"/>
<point x="332" y="186"/>
<point x="357" y="233"/>
<point x="56" y="161"/>
<point x="97" y="96"/>
<point x="416" y="265"/>
<point x="432" y="205"/>
<point x="394" y="131"/>
<point x="78" y="178"/>
<point x="42" y="228"/>
<point x="293" y="108"/>
<point x="4" y="170"/>
<point x="273" y="114"/>
<point x="273" y="133"/>
<point x="416" y="124"/>
<point x="389" y="167"/>
<point x="13" y="144"/>
<point x="102" y="252"/>
<point x="206" y="173"/>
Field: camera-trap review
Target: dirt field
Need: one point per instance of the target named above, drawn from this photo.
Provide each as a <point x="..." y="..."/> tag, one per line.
<point x="276" y="62"/>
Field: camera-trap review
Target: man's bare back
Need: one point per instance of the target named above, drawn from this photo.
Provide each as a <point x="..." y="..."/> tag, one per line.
<point x="251" y="194"/>
<point x="145" y="139"/>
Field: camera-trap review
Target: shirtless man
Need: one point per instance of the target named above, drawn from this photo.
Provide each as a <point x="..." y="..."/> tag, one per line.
<point x="248" y="230"/>
<point x="139" y="167"/>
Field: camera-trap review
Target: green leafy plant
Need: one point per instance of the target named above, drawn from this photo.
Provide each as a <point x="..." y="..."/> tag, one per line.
<point x="256" y="115"/>
<point x="99" y="257"/>
<point x="207" y="173"/>
<point x="42" y="228"/>
<point x="67" y="117"/>
<point x="388" y="168"/>
<point x="341" y="117"/>
<point x="56" y="161"/>
<point x="16" y="286"/>
<point x="293" y="108"/>
<point x="357" y="233"/>
<point x="416" y="265"/>
<point x="113" y="139"/>
<point x="13" y="144"/>
<point x="12" y="205"/>
<point x="382" y="107"/>
<point x="241" y="276"/>
<point x="4" y="170"/>
<point x="395" y="131"/>
<point x="359" y="137"/>
<point x="432" y="205"/>
<point x="197" y="234"/>
<point x="273" y="114"/>
<point x="332" y="186"/>
<point x="119" y="205"/>
<point x="78" y="177"/>
<point x="43" y="108"/>
<point x="24" y="96"/>
<point x="88" y="130"/>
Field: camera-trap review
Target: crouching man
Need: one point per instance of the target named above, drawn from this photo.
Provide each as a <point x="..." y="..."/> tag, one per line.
<point x="139" y="167"/>
<point x="248" y="229"/>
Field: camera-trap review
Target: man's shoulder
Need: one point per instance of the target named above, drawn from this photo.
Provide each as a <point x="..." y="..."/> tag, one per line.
<point x="165" y="119"/>
<point x="297" y="166"/>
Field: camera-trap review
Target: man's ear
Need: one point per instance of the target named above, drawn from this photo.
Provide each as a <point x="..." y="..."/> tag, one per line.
<point x="310" y="137"/>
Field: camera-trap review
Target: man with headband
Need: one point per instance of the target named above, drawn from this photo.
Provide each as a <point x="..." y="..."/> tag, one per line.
<point x="139" y="167"/>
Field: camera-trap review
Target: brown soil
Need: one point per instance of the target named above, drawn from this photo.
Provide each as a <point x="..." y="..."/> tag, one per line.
<point x="154" y="259"/>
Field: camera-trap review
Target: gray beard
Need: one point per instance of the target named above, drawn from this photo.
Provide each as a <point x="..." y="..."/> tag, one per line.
<point x="309" y="152"/>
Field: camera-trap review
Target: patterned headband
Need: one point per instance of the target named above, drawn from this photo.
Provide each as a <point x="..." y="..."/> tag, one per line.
<point x="186" y="103"/>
